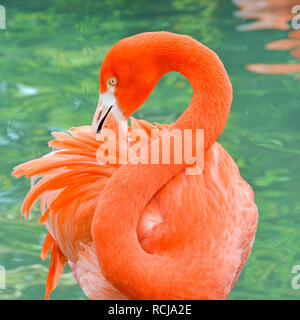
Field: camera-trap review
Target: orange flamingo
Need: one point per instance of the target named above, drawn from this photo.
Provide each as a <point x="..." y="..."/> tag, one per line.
<point x="146" y="231"/>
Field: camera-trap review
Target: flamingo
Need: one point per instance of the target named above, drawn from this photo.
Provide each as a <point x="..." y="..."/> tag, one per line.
<point x="146" y="231"/>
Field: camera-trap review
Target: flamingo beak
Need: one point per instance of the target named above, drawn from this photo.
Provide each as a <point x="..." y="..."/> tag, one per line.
<point x="100" y="115"/>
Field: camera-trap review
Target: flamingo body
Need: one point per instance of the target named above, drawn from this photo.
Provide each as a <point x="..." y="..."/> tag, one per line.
<point x="175" y="236"/>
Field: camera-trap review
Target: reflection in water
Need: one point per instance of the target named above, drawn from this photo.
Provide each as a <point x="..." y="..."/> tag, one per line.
<point x="26" y="90"/>
<point x="272" y="14"/>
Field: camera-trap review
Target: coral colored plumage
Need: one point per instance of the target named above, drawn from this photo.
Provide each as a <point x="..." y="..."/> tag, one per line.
<point x="147" y="231"/>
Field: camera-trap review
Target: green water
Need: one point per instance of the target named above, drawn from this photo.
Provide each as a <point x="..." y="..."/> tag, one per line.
<point x="50" y="55"/>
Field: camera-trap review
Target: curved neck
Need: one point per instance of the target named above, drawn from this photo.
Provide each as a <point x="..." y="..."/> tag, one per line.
<point x="133" y="271"/>
<point x="212" y="90"/>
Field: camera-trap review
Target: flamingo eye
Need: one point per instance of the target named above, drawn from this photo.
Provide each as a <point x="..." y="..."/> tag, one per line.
<point x="112" y="82"/>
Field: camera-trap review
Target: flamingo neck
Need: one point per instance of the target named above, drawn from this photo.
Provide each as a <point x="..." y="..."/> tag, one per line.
<point x="212" y="90"/>
<point x="124" y="263"/>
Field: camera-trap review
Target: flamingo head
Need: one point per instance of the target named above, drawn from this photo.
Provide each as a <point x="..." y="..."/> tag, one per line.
<point x="128" y="75"/>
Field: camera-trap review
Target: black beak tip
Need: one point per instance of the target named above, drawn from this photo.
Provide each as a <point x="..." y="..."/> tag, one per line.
<point x="102" y="120"/>
<point x="99" y="128"/>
